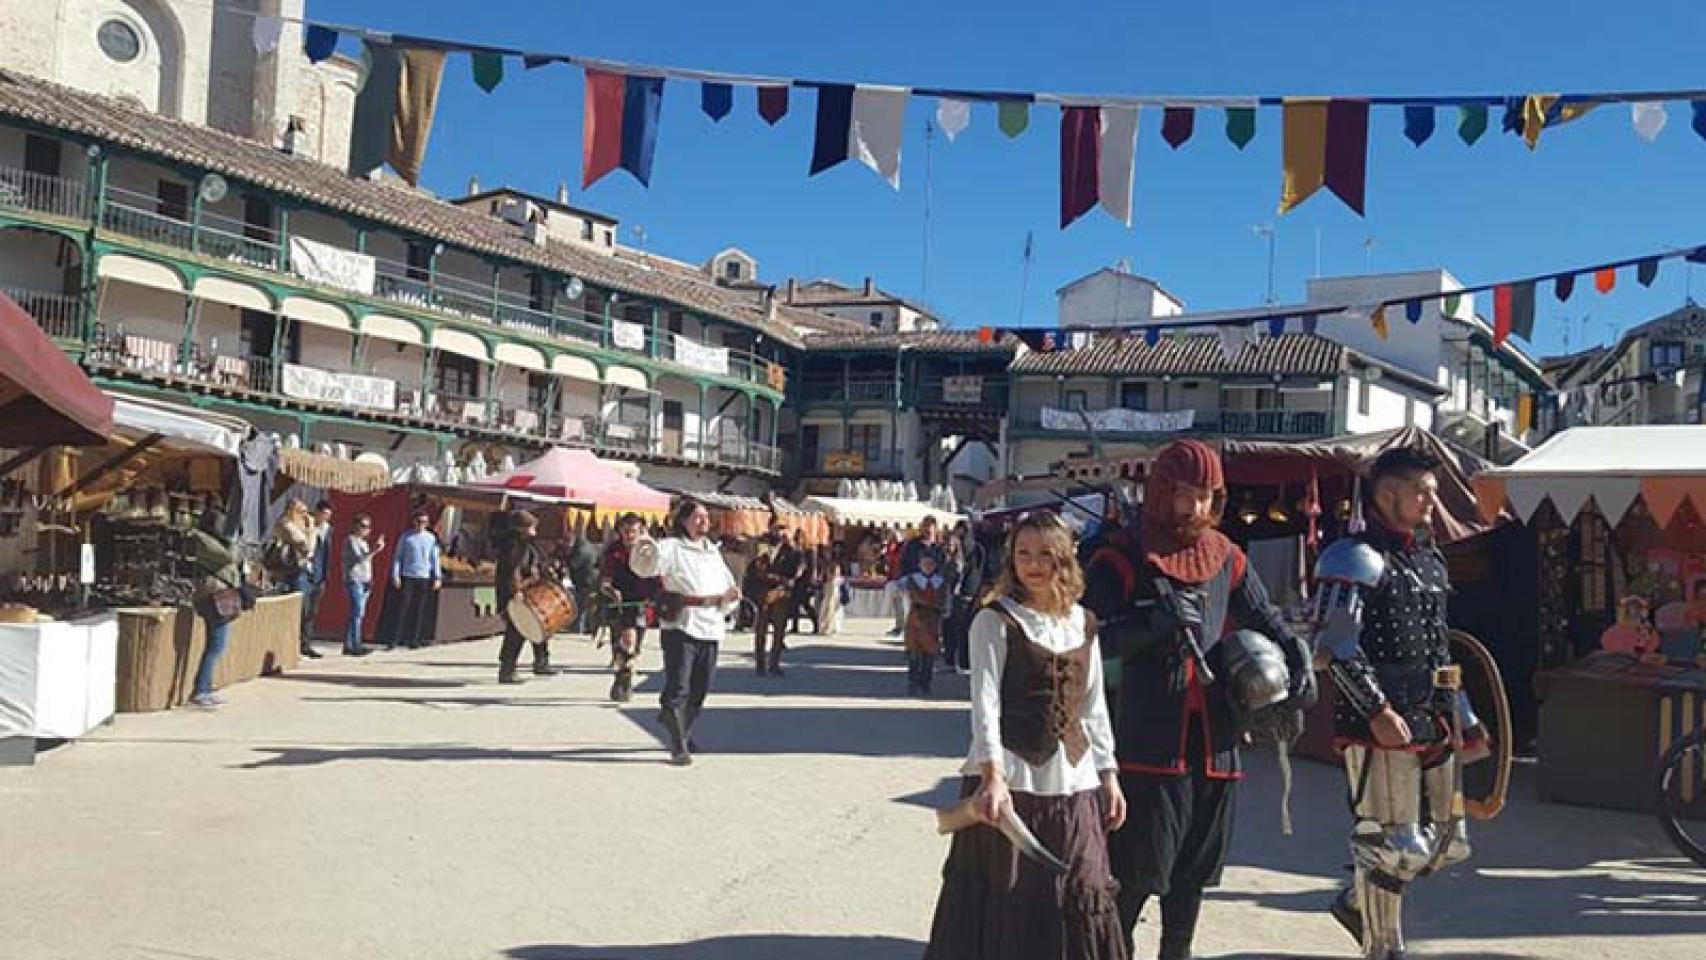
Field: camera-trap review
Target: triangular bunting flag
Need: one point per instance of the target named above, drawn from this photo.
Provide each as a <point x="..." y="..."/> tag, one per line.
<point x="1152" y="335"/>
<point x="985" y="335"/>
<point x="1326" y="144"/>
<point x="319" y="43"/>
<point x="417" y="105"/>
<point x="488" y="70"/>
<point x="772" y="103"/>
<point x="1649" y="119"/>
<point x="1347" y="151"/>
<point x="1231" y="342"/>
<point x="1699" y="121"/>
<point x="1080" y="134"/>
<point x="1614" y="495"/>
<point x="1413" y="311"/>
<point x="953" y="116"/>
<point x="1240" y="125"/>
<point x="1013" y="116"/>
<point x="267" y="33"/>
<point x="1664" y="496"/>
<point x="375" y="107"/>
<point x="1543" y="111"/>
<point x="1564" y="285"/>
<point x="1377" y="320"/>
<point x="1452" y="300"/>
<point x="1525" y="496"/>
<point x="601" y="125"/>
<point x="716" y="99"/>
<point x="642" y="104"/>
<point x="1311" y="323"/>
<point x="1569" y="495"/>
<point x="1605" y="280"/>
<point x="879" y="119"/>
<point x="1276" y="326"/>
<point x="1647" y="271"/>
<point x="1513" y="119"/>
<point x="1418" y="123"/>
<point x="1489" y="496"/>
<point x="1522" y="309"/>
<point x="1116" y="162"/>
<point x="834" y="124"/>
<point x="533" y="61"/>
<point x="1471" y="122"/>
<point x="1177" y="124"/>
<point x="1501" y="314"/>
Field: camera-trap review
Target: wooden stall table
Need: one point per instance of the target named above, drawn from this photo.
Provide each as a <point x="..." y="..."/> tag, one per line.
<point x="159" y="649"/>
<point x="1605" y="720"/>
<point x="467" y="610"/>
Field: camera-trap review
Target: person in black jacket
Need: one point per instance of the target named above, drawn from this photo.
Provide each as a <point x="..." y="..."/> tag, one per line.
<point x="1165" y="591"/>
<point x="520" y="563"/>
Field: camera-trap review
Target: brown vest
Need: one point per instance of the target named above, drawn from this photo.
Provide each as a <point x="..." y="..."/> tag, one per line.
<point x="1042" y="695"/>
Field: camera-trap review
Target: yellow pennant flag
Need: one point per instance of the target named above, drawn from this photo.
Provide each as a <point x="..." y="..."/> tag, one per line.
<point x="1378" y="320"/>
<point x="1305" y="151"/>
<point x="1541" y="110"/>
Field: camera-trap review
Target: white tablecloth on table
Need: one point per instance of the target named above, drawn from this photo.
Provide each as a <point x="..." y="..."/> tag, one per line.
<point x="869" y="603"/>
<point x="57" y="680"/>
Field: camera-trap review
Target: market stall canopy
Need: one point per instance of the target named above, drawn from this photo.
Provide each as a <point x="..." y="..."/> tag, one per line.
<point x="897" y="514"/>
<point x="1663" y="465"/>
<point x="736" y="516"/>
<point x="45" y="399"/>
<point x="578" y="475"/>
<point x="332" y="473"/>
<point x="181" y="428"/>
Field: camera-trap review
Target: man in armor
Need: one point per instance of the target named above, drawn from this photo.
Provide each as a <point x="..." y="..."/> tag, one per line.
<point x="1381" y="625"/>
<point x="1166" y="589"/>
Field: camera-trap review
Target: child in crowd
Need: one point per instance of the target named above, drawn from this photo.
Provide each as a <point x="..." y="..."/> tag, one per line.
<point x="926" y="594"/>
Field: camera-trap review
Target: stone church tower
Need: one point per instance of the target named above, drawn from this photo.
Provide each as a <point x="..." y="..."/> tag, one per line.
<point x="195" y="60"/>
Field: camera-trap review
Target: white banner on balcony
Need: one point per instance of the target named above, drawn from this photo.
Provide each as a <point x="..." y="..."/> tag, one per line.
<point x="628" y="336"/>
<point x="1119" y="420"/>
<point x="701" y="357"/>
<point x="332" y="266"/>
<point x="966" y="389"/>
<point x="350" y="389"/>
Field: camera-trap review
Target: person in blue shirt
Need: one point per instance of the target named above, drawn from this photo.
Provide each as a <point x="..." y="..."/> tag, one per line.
<point x="416" y="572"/>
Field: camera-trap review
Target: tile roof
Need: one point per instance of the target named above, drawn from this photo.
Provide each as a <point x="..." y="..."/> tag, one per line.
<point x="106" y="119"/>
<point x="1292" y="354"/>
<point x="929" y="341"/>
<point x="825" y="292"/>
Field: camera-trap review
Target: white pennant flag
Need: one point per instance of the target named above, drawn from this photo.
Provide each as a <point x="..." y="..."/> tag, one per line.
<point x="953" y="116"/>
<point x="1116" y="160"/>
<point x="879" y="118"/>
<point x="1650" y="119"/>
<point x="267" y="32"/>
<point x="1231" y="341"/>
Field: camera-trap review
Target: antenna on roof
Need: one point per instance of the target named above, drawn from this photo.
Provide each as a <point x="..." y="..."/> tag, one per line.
<point x="1025" y="276"/>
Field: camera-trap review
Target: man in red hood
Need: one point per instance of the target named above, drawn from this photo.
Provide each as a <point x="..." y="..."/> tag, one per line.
<point x="1171" y="583"/>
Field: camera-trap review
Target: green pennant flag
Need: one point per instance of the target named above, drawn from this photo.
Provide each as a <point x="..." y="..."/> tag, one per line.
<point x="1241" y="125"/>
<point x="1013" y="116"/>
<point x="1471" y="122"/>
<point x="488" y="70"/>
<point x="1451" y="301"/>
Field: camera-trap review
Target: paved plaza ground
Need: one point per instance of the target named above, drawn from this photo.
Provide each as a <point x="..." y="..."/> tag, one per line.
<point x="406" y="806"/>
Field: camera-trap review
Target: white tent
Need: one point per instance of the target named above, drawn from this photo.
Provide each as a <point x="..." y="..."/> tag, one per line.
<point x="898" y="514"/>
<point x="1664" y="465"/>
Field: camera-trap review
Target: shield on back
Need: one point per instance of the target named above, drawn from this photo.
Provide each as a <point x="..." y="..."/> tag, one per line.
<point x="1486" y="781"/>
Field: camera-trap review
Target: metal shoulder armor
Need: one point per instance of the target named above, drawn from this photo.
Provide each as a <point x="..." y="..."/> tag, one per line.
<point x="1348" y="560"/>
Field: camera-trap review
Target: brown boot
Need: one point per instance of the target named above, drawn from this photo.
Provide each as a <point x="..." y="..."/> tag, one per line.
<point x="622" y="688"/>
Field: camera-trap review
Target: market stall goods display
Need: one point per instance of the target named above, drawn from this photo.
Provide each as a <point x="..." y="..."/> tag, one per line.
<point x="159" y="649"/>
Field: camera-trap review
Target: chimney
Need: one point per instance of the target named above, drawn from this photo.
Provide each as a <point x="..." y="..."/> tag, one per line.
<point x="870" y="287"/>
<point x="473" y="185"/>
<point x="793" y="289"/>
<point x="562" y="193"/>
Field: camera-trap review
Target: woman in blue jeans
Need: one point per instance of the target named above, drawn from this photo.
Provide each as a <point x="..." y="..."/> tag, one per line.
<point x="358" y="580"/>
<point x="216" y="561"/>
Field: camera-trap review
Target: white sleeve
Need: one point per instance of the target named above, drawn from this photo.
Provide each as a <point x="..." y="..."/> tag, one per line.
<point x="988" y="658"/>
<point x="649" y="559"/>
<point x="1097" y="724"/>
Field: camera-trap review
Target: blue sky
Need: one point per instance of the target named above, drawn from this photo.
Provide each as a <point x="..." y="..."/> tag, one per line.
<point x="1592" y="192"/>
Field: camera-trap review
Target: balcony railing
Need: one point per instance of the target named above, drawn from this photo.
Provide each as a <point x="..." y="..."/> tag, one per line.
<point x="987" y="393"/>
<point x="480" y="300"/>
<point x="862" y="390"/>
<point x="55" y="313"/>
<point x="23" y="190"/>
<point x="1274" y="423"/>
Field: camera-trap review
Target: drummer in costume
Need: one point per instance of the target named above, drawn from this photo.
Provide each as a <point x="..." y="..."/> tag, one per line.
<point x="1167" y="588"/>
<point x="629" y="594"/>
<point x="521" y="563"/>
<point x="697" y="592"/>
<point x="1042" y="748"/>
<point x="1381" y="621"/>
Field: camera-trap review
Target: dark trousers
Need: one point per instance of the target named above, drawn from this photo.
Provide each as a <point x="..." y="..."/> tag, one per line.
<point x="510" y="652"/>
<point x="772" y="626"/>
<point x="805" y="605"/>
<point x="310" y="609"/>
<point x="689" y="666"/>
<point x="955" y="635"/>
<point x="920" y="667"/>
<point x="412" y="627"/>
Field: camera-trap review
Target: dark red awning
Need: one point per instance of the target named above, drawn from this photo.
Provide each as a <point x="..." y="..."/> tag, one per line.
<point x="45" y="399"/>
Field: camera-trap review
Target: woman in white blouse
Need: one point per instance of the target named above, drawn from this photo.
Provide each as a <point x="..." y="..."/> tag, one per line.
<point x="1042" y="747"/>
<point x="698" y="592"/>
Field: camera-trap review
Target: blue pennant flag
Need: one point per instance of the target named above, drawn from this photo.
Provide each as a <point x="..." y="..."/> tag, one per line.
<point x="1418" y="124"/>
<point x="1413" y="311"/>
<point x="716" y="99"/>
<point x="1276" y="326"/>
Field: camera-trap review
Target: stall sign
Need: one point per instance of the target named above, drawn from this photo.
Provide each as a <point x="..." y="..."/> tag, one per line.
<point x="350" y="389"/>
<point x="701" y="357"/>
<point x="628" y="336"/>
<point x="964" y="389"/>
<point x="845" y="462"/>
<point x="332" y="266"/>
<point x="1118" y="420"/>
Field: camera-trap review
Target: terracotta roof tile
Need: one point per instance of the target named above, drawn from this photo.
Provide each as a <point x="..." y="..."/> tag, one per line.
<point x="930" y="341"/>
<point x="105" y="119"/>
<point x="1292" y="354"/>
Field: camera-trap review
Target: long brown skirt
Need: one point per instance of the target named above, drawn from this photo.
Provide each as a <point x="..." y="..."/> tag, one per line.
<point x="997" y="905"/>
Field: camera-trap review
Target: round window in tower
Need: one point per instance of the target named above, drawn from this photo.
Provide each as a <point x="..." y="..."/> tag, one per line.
<point x="119" y="40"/>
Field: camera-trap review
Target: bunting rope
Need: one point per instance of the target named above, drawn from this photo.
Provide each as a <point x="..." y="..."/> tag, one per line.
<point x="1324" y="138"/>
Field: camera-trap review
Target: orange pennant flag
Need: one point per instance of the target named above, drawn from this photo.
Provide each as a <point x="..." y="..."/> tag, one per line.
<point x="1664" y="495"/>
<point x="1489" y="496"/>
<point x="1605" y="280"/>
<point x="1525" y="413"/>
<point x="1305" y="151"/>
<point x="1378" y="321"/>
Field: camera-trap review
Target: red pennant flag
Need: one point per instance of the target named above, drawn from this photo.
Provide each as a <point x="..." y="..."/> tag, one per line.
<point x="1177" y="124"/>
<point x="601" y="125"/>
<point x="1501" y="314"/>
<point x="1080" y="138"/>
<point x="1605" y="280"/>
<point x="772" y="103"/>
<point x="985" y="335"/>
<point x="1347" y="151"/>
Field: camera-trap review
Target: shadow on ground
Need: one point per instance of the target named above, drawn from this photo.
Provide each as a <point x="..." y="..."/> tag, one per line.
<point x="877" y="731"/>
<point x="376" y="681"/>
<point x="753" y="947"/>
<point x="451" y="703"/>
<point x="320" y="756"/>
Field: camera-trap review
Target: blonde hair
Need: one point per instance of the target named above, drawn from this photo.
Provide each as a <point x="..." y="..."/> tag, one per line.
<point x="1068" y="583"/>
